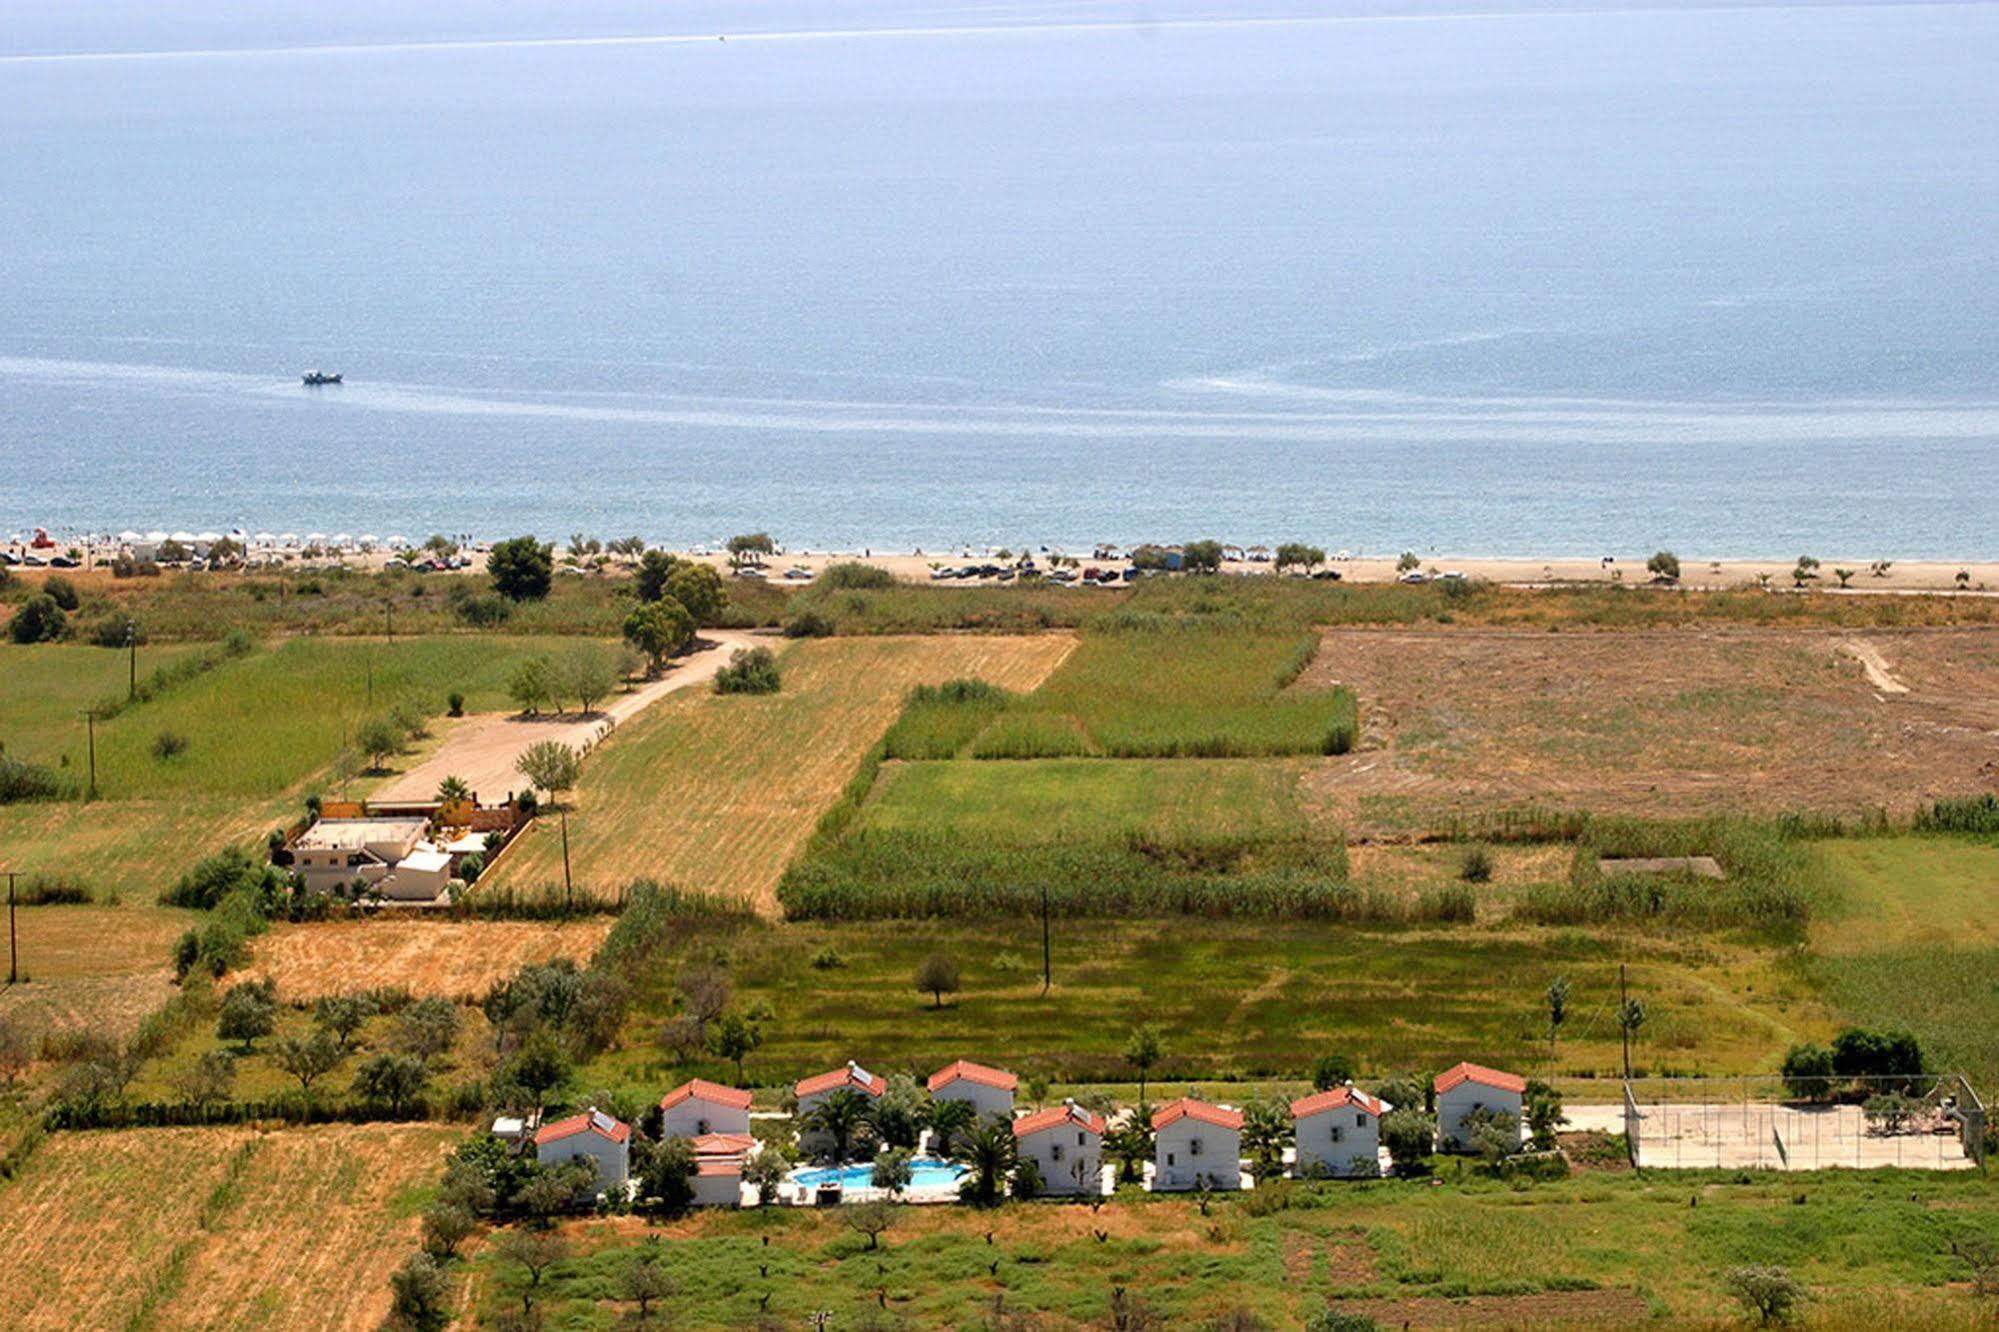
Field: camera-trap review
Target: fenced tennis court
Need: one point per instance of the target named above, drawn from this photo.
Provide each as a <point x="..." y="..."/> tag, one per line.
<point x="1769" y="1124"/>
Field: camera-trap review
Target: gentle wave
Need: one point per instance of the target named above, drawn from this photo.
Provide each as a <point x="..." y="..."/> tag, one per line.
<point x="1361" y="415"/>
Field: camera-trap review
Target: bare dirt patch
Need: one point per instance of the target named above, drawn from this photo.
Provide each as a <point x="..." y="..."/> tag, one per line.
<point x="1655" y="723"/>
<point x="449" y="958"/>
<point x="1350" y="1259"/>
<point x="97" y="966"/>
<point x="1568" y="1308"/>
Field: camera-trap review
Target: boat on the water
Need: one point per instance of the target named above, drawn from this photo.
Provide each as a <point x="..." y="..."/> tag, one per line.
<point x="314" y="378"/>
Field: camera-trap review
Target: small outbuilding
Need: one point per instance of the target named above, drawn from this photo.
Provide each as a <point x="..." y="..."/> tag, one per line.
<point x="1196" y="1145"/>
<point x="1463" y="1092"/>
<point x="1338" y="1132"/>
<point x="989" y="1091"/>
<point x="718" y="1181"/>
<point x="1066" y="1144"/>
<point x="698" y="1107"/>
<point x="598" y="1138"/>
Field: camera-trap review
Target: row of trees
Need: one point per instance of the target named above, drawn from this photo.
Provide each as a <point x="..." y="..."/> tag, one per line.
<point x="587" y="672"/>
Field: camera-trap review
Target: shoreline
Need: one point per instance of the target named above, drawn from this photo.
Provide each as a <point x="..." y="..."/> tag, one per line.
<point x="1696" y="573"/>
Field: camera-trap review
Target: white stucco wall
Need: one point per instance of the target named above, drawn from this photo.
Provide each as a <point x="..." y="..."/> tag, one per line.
<point x="1056" y="1151"/>
<point x="1462" y="1100"/>
<point x="1187" y="1151"/>
<point x="686" y="1119"/>
<point x="612" y="1159"/>
<point x="718" y="1190"/>
<point x="1345" y="1140"/>
<point x="985" y="1101"/>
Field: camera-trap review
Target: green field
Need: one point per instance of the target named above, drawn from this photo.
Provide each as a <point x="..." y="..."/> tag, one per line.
<point x="1611" y="1249"/>
<point x="1171" y="689"/>
<point x="1046" y="800"/>
<point x="1233" y="999"/>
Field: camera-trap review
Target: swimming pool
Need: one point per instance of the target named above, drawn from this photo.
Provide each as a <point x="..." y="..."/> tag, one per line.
<point x="925" y="1172"/>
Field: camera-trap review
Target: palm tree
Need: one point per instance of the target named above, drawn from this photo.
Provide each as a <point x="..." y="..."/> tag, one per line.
<point x="1266" y="1131"/>
<point x="453" y="789"/>
<point x="1142" y="1052"/>
<point x="839" y="1116"/>
<point x="948" y="1119"/>
<point x="988" y="1149"/>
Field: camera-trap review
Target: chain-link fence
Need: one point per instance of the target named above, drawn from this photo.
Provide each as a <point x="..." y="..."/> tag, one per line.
<point x="1774" y="1123"/>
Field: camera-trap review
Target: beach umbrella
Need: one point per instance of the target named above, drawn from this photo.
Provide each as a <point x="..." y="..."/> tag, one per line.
<point x="264" y="538"/>
<point x="289" y="538"/>
<point x="397" y="542"/>
<point x="128" y="537"/>
<point x="156" y="537"/>
<point x="315" y="537"/>
<point x="210" y="537"/>
<point x="343" y="538"/>
<point x="183" y="537"/>
<point x="369" y="538"/>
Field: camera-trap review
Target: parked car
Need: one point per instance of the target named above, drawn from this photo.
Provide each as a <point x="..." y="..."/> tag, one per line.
<point x="1414" y="576"/>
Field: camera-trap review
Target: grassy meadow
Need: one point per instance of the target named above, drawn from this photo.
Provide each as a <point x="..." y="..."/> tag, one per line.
<point x="718" y="792"/>
<point x="1602" y="1249"/>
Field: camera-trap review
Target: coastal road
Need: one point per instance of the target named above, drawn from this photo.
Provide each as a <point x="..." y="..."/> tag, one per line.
<point x="481" y="749"/>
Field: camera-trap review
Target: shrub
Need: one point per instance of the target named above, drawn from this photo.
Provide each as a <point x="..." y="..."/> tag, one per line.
<point x="455" y="703"/>
<point x="111" y="631"/>
<point x="1330" y="1071"/>
<point x="808" y="624"/>
<point x="1808" y="1072"/>
<point x="750" y="671"/>
<point x="1453" y="904"/>
<point x="1665" y="564"/>
<point x="20" y="780"/>
<point x="1410" y="1137"/>
<point x="40" y="620"/>
<point x="852" y="574"/>
<point x="1475" y="866"/>
<point x="169" y="744"/>
<point x="485" y="612"/>
<point x="1974" y="814"/>
<point x="205" y="886"/>
<point x="521" y="568"/>
<point x="1339" y="1320"/>
<point x="420" y="1294"/>
<point x="1771" y="1294"/>
<point x="52" y="890"/>
<point x="61" y="591"/>
<point x="471" y="867"/>
<point x="1892" y="1057"/>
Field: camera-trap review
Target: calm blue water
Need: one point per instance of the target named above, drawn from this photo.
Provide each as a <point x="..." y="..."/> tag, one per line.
<point x="1538" y="281"/>
<point x="924" y="1173"/>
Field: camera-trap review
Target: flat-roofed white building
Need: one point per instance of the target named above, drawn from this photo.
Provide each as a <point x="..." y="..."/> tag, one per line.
<point x="334" y="853"/>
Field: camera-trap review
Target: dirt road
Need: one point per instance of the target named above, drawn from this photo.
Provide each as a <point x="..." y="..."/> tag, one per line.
<point x="481" y="749"/>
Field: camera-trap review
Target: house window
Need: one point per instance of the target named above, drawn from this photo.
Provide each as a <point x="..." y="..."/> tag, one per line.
<point x="1055" y="1151"/>
<point x="700" y="1127"/>
<point x="1194" y="1147"/>
<point x="1360" y="1120"/>
<point x="1079" y="1139"/>
<point x="1338" y="1133"/>
<point x="1170" y="1160"/>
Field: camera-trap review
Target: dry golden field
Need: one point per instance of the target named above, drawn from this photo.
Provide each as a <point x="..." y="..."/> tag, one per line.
<point x="1655" y="723"/>
<point x="718" y="793"/>
<point x="447" y="958"/>
<point x="213" y="1227"/>
<point x="105" y="967"/>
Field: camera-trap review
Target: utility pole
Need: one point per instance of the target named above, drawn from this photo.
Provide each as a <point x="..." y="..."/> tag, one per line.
<point x="1047" y="972"/>
<point x="90" y="729"/>
<point x="1623" y="1027"/>
<point x="568" y="888"/>
<point x="13" y="950"/>
<point x="132" y="647"/>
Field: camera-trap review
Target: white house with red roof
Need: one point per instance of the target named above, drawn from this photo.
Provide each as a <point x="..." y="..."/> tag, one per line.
<point x="1464" y="1091"/>
<point x="1338" y="1132"/>
<point x="1066" y="1144"/>
<point x="813" y="1092"/>
<point x="700" y="1107"/>
<point x="989" y="1091"/>
<point x="1196" y="1145"/>
<point x="598" y="1138"/>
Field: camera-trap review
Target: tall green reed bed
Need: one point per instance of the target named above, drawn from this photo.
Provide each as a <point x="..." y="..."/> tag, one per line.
<point x="876" y="875"/>
<point x="1770" y="881"/>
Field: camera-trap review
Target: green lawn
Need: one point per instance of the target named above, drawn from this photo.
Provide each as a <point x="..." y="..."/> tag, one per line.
<point x="1046" y="800"/>
<point x="48" y="687"/>
<point x="1874" y="1250"/>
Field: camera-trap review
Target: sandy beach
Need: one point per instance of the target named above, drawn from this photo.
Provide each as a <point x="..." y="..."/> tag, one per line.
<point x="1696" y="573"/>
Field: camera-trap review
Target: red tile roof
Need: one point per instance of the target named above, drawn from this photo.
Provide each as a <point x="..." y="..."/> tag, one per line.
<point x="1189" y="1108"/>
<point x="712" y="1092"/>
<point x="1320" y="1102"/>
<point x="1056" y="1115"/>
<point x="1484" y="1077"/>
<point x="853" y="1075"/>
<point x="591" y="1121"/>
<point x="723" y="1144"/>
<point x="719" y="1165"/>
<point x="971" y="1072"/>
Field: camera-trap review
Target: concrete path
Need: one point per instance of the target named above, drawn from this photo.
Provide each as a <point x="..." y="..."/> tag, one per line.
<point x="481" y="749"/>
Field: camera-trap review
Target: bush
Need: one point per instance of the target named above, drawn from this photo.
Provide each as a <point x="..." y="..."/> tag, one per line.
<point x="20" y="781"/>
<point x="1476" y="865"/>
<point x="1339" y="1320"/>
<point x="112" y="630"/>
<point x="750" y="671"/>
<point x="852" y="574"/>
<point x="205" y="886"/>
<point x="485" y="612"/>
<point x="521" y="568"/>
<point x="471" y="867"/>
<point x="808" y="624"/>
<point x="1894" y="1057"/>
<point x="1808" y="1072"/>
<point x="421" y="1294"/>
<point x="1769" y="1293"/>
<point x="52" y="890"/>
<point x="455" y="703"/>
<point x="40" y="620"/>
<point x="169" y="744"/>
<point x="61" y="591"/>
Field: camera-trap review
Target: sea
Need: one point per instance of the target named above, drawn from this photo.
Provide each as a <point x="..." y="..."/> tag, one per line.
<point x="1475" y="277"/>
